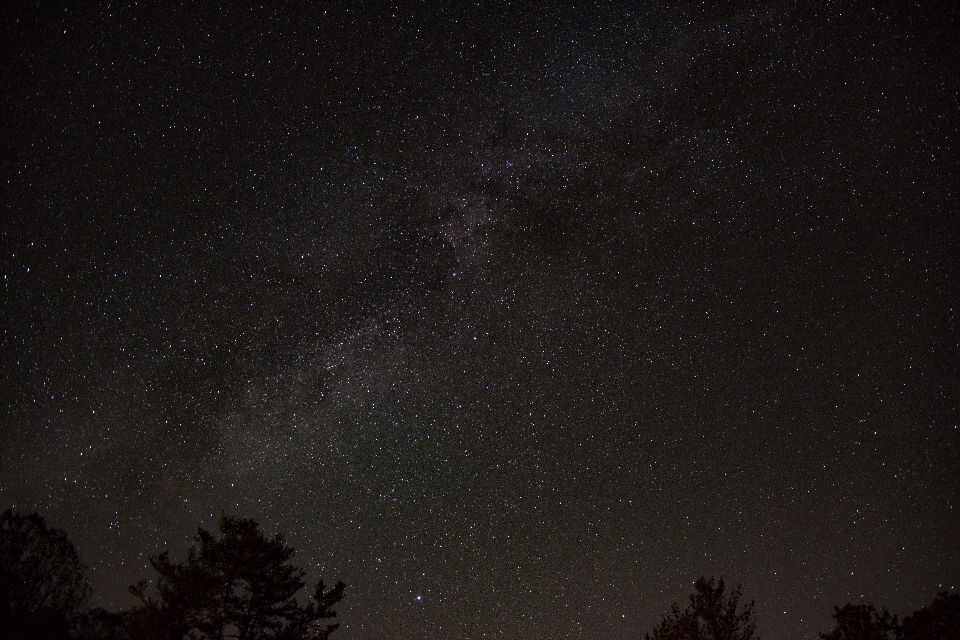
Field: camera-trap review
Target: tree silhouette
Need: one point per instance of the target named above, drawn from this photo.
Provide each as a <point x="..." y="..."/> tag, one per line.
<point x="710" y="615"/>
<point x="100" y="624"/>
<point x="862" y="622"/>
<point x="42" y="581"/>
<point x="938" y="621"/>
<point x="239" y="585"/>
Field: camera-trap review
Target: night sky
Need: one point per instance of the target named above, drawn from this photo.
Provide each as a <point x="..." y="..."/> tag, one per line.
<point x="516" y="320"/>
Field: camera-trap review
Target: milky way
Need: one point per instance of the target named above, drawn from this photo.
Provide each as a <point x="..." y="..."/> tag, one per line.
<point x="516" y="322"/>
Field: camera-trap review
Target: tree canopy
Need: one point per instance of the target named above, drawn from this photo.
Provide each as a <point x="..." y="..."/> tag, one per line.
<point x="239" y="585"/>
<point x="710" y="615"/>
<point x="862" y="622"/>
<point x="42" y="581"/>
<point x="938" y="621"/>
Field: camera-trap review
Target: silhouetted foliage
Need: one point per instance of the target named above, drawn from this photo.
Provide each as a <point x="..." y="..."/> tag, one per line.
<point x="710" y="615"/>
<point x="862" y="622"/>
<point x="239" y="585"/>
<point x="100" y="624"/>
<point x="938" y="621"/>
<point x="42" y="581"/>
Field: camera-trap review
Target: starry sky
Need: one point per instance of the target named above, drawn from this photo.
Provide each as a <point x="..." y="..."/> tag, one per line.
<point x="515" y="319"/>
